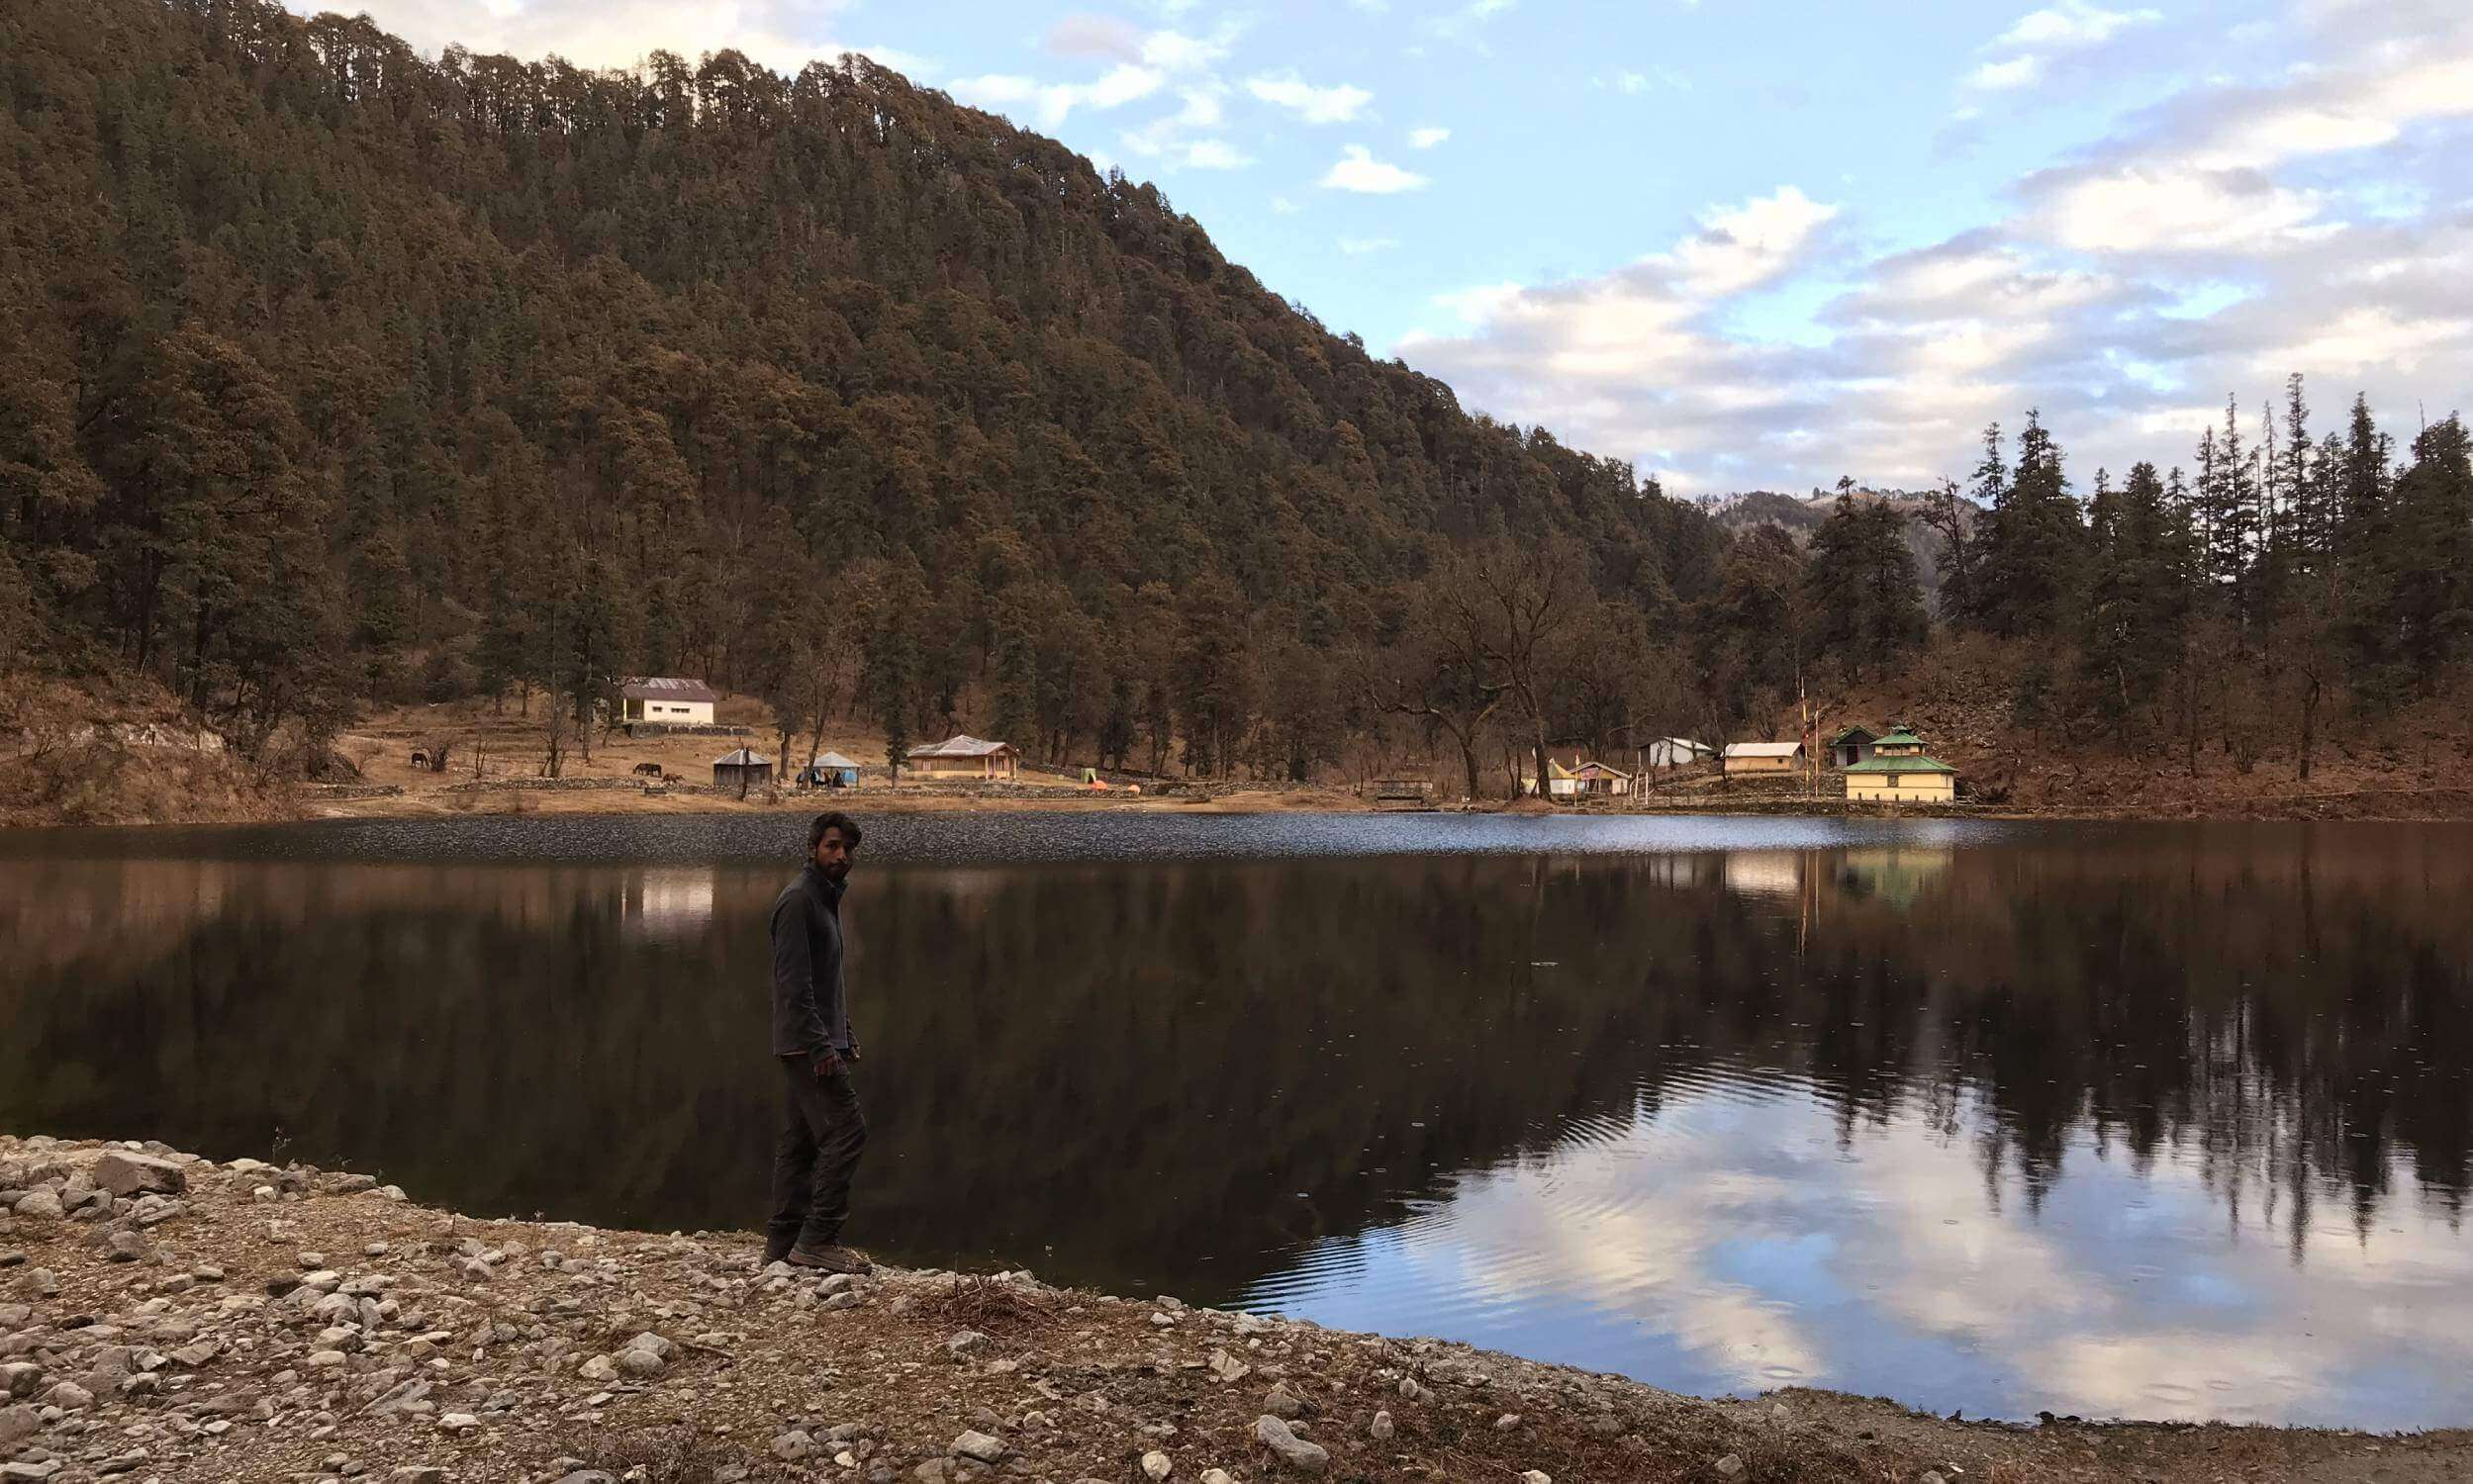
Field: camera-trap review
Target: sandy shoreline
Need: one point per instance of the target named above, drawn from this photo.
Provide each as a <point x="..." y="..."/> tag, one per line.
<point x="163" y="1316"/>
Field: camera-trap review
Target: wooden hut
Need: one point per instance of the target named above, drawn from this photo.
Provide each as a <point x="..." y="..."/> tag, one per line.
<point x="1764" y="757"/>
<point x="963" y="755"/>
<point x="743" y="769"/>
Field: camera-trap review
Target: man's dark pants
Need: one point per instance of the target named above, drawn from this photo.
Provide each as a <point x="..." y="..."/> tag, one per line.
<point x="822" y="1133"/>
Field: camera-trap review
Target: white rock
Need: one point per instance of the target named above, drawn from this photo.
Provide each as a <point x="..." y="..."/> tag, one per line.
<point x="1730" y="1468"/>
<point x="39" y="1205"/>
<point x="1381" y="1428"/>
<point x="1228" y="1367"/>
<point x="1158" y="1465"/>
<point x="979" y="1445"/>
<point x="1219" y="1476"/>
<point x="1537" y="1477"/>
<point x="458" y="1422"/>
<point x="599" y="1368"/>
<point x="68" y="1396"/>
<point x="1292" y="1450"/>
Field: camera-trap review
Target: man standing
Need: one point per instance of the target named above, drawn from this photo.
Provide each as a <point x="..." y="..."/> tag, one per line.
<point x="823" y="1129"/>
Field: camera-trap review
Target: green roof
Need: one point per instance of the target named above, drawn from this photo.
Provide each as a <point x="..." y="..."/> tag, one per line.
<point x="1899" y="765"/>
<point x="1898" y="737"/>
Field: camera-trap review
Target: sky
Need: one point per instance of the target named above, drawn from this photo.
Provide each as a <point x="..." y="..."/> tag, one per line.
<point x="1751" y="243"/>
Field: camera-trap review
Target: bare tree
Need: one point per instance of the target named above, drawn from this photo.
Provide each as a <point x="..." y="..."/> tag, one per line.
<point x="1516" y="600"/>
<point x="1441" y="673"/>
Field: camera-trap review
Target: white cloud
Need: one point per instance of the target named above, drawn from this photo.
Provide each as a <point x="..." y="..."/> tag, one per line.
<point x="1358" y="170"/>
<point x="1283" y="206"/>
<point x="2073" y="22"/>
<point x="1360" y="246"/>
<point x="1746" y="244"/>
<point x="1175" y="51"/>
<point x="1427" y="139"/>
<point x="1053" y="103"/>
<point x="2021" y="55"/>
<point x="1337" y="104"/>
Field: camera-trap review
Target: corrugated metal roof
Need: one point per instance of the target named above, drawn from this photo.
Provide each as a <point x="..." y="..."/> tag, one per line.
<point x="742" y="758"/>
<point x="961" y="745"/>
<point x="1762" y="749"/>
<point x="668" y="688"/>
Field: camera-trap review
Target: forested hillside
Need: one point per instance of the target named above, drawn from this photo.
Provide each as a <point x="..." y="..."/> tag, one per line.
<point x="332" y="376"/>
<point x="337" y="375"/>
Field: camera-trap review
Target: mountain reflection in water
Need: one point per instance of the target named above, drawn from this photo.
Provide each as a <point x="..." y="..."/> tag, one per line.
<point x="2166" y="1122"/>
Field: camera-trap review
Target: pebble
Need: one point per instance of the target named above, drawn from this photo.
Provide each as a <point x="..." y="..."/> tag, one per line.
<point x="1381" y="1428"/>
<point x="418" y="1473"/>
<point x="1292" y="1450"/>
<point x="1157" y="1465"/>
<point x="39" y="1205"/>
<point x="1282" y="1403"/>
<point x="68" y="1396"/>
<point x="1506" y="1422"/>
<point x="458" y="1422"/>
<point x="1537" y="1477"/>
<point x="1219" y="1476"/>
<point x="1730" y="1468"/>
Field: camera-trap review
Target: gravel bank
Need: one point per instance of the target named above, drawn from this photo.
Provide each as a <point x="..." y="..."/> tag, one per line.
<point x="166" y="1318"/>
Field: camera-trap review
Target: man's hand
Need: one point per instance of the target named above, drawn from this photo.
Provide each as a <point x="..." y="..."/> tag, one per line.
<point x="827" y="1064"/>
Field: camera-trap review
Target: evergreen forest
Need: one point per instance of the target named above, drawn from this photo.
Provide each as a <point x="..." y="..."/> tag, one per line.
<point x="334" y="378"/>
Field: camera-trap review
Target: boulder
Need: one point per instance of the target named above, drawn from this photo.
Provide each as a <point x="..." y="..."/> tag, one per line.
<point x="979" y="1445"/>
<point x="127" y="1174"/>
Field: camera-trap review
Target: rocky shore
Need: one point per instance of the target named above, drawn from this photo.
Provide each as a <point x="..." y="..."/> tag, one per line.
<point x="163" y="1316"/>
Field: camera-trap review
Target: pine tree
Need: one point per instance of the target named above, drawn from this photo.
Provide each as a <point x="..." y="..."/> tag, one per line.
<point x="2034" y="552"/>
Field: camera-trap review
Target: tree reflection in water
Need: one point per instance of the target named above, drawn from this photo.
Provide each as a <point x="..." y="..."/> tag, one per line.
<point x="1199" y="1074"/>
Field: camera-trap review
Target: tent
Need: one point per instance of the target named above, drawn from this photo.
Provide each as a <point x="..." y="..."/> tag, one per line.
<point x="830" y="771"/>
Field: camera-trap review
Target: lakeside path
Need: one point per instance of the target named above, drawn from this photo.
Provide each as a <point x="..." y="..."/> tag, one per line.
<point x="166" y="1318"/>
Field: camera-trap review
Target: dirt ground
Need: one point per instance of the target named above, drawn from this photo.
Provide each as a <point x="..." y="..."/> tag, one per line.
<point x="241" y="1322"/>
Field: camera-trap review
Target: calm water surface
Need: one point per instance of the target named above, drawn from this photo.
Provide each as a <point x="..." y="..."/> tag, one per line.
<point x="2162" y="1121"/>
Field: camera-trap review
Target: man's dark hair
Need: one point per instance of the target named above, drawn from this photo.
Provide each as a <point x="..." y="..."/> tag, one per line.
<point x="836" y="820"/>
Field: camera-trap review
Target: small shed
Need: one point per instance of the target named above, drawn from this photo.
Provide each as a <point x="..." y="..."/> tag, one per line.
<point x="1764" y="757"/>
<point x="1897" y="772"/>
<point x="743" y="769"/>
<point x="1852" y="746"/>
<point x="831" y="770"/>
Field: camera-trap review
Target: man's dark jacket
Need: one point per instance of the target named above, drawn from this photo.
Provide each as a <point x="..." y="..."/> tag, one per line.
<point x="808" y="1013"/>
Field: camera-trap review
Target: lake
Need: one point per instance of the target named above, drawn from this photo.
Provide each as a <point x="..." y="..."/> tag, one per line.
<point x="2167" y="1121"/>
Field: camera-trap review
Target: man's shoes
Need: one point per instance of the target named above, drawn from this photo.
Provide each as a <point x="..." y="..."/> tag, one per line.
<point x="847" y="1259"/>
